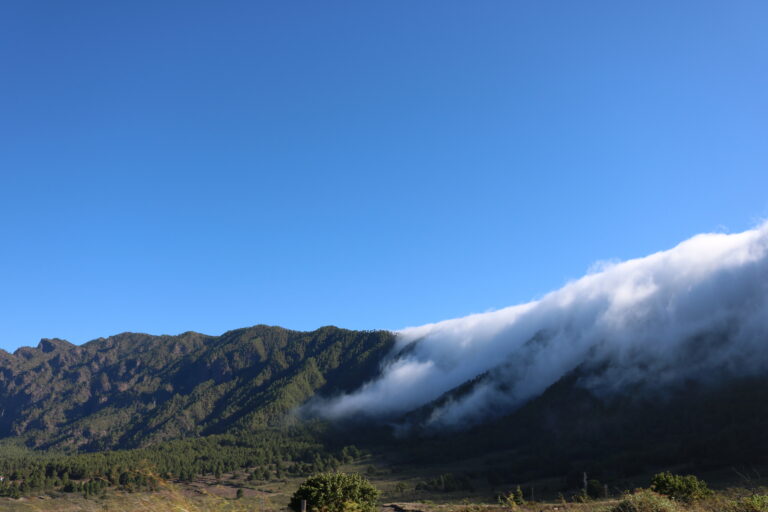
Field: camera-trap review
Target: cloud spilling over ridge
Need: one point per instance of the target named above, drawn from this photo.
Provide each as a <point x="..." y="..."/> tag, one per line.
<point x="699" y="309"/>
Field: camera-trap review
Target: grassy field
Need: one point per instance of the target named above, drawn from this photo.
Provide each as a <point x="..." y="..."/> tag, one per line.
<point x="399" y="494"/>
<point x="173" y="501"/>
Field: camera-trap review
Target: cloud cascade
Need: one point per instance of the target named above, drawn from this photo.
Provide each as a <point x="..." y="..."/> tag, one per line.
<point x="699" y="309"/>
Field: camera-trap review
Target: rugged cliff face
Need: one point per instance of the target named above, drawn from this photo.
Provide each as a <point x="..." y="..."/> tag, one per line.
<point x="133" y="389"/>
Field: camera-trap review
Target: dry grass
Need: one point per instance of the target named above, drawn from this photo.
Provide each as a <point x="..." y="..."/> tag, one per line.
<point x="170" y="498"/>
<point x="207" y="494"/>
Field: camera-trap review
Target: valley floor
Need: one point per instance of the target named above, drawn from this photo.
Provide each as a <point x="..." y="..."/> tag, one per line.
<point x="175" y="502"/>
<point x="399" y="494"/>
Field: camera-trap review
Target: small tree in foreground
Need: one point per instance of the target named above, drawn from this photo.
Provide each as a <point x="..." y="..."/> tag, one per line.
<point x="336" y="492"/>
<point x="512" y="499"/>
<point x="686" y="488"/>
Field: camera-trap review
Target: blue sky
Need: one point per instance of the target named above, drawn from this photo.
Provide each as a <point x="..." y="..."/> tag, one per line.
<point x="173" y="166"/>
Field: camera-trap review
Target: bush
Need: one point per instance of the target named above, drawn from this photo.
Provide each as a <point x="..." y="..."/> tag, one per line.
<point x="595" y="489"/>
<point x="686" y="488"/>
<point x="512" y="499"/>
<point x="645" y="501"/>
<point x="755" y="503"/>
<point x="336" y="492"/>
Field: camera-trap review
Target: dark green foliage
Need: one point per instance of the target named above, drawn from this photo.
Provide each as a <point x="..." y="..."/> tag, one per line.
<point x="181" y="460"/>
<point x="686" y="488"/>
<point x="336" y="492"/>
<point x="595" y="489"/>
<point x="447" y="482"/>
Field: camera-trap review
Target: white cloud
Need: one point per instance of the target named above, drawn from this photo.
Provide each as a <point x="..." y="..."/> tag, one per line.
<point x="698" y="309"/>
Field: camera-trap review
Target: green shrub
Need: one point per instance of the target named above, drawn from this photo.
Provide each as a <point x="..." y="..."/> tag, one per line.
<point x="645" y="501"/>
<point x="507" y="500"/>
<point x="686" y="488"/>
<point x="336" y="492"/>
<point x="512" y="499"/>
<point x="755" y="503"/>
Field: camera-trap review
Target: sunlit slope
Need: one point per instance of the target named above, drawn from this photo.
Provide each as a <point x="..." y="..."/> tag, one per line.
<point x="132" y="389"/>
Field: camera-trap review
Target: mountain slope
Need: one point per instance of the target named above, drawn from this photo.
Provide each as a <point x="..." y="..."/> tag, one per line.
<point x="135" y="389"/>
<point x="569" y="429"/>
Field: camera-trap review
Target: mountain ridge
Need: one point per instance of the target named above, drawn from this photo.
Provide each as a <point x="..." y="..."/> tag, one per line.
<point x="133" y="389"/>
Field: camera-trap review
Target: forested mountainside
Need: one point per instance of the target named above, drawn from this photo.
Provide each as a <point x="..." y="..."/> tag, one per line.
<point x="132" y="390"/>
<point x="192" y="404"/>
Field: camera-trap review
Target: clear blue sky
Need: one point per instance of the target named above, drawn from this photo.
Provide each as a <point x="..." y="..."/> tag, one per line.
<point x="173" y="166"/>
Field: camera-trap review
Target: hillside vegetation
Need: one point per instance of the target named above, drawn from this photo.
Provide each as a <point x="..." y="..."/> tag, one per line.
<point x="132" y="390"/>
<point x="129" y="412"/>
